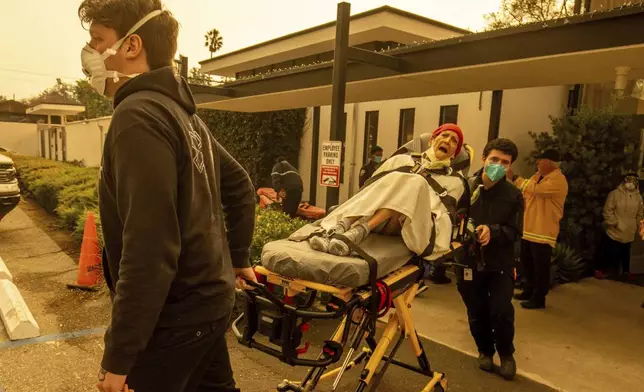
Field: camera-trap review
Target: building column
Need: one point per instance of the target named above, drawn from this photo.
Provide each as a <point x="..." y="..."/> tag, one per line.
<point x="621" y="78"/>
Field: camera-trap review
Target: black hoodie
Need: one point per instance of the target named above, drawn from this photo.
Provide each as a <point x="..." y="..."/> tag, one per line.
<point x="167" y="193"/>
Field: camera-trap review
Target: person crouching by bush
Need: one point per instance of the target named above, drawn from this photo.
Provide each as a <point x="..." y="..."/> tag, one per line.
<point x="288" y="184"/>
<point x="623" y="212"/>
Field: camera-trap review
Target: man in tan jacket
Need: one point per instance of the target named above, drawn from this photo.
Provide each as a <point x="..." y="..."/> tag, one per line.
<point x="545" y="194"/>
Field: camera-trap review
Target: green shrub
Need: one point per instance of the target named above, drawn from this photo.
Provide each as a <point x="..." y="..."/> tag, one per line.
<point x="256" y="139"/>
<point x="566" y="265"/>
<point x="597" y="147"/>
<point x="67" y="190"/>
<point x="271" y="225"/>
<point x="48" y="181"/>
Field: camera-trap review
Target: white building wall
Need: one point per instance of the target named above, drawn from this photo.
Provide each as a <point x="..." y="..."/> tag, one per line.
<point x="85" y="140"/>
<point x="473" y="117"/>
<point x="522" y="110"/>
<point x="528" y="110"/>
<point x="19" y="137"/>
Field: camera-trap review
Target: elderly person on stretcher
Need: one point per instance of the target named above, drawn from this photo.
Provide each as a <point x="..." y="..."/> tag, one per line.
<point x="399" y="201"/>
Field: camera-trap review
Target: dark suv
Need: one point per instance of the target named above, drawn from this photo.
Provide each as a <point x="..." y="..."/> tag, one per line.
<point x="9" y="190"/>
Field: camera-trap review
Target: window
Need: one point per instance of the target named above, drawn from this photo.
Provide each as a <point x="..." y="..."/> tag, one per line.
<point x="370" y="133"/>
<point x="449" y="114"/>
<point x="406" y="126"/>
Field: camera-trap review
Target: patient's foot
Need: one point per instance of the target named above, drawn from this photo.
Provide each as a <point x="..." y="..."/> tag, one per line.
<point x="356" y="234"/>
<point x="321" y="243"/>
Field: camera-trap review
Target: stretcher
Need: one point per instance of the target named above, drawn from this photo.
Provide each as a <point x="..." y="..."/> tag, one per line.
<point x="284" y="318"/>
<point x="373" y="288"/>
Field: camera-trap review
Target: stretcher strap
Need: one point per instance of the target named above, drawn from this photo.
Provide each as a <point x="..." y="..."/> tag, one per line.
<point x="448" y="201"/>
<point x="373" y="275"/>
<point x="432" y="239"/>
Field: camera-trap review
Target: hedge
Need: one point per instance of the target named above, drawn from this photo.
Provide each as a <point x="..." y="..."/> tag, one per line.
<point x="271" y="225"/>
<point x="63" y="189"/>
<point x="256" y="139"/>
<point x="70" y="191"/>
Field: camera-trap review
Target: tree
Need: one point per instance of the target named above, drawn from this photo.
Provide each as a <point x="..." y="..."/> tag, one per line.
<point x="598" y="147"/>
<point x="520" y="12"/>
<point x="214" y="41"/>
<point x="81" y="91"/>
<point x="196" y="77"/>
<point x="61" y="92"/>
<point x="96" y="105"/>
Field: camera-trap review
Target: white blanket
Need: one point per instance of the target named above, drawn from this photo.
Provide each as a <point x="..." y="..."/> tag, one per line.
<point x="411" y="196"/>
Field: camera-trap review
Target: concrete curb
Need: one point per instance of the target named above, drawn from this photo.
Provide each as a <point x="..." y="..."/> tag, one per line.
<point x="4" y="273"/>
<point x="17" y="318"/>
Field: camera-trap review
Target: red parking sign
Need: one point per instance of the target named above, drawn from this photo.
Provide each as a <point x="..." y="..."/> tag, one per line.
<point x="330" y="176"/>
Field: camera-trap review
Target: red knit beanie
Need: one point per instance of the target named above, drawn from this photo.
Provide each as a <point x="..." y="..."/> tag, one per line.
<point x="453" y="128"/>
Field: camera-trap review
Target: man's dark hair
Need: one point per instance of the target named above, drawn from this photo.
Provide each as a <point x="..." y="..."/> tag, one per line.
<point x="159" y="34"/>
<point x="375" y="149"/>
<point x="280" y="159"/>
<point x="506" y="146"/>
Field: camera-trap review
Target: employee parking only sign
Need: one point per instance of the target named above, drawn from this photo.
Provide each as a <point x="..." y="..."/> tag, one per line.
<point x="330" y="165"/>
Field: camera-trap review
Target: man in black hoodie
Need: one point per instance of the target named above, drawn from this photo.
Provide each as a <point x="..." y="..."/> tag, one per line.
<point x="288" y="184"/>
<point x="487" y="286"/>
<point x="177" y="211"/>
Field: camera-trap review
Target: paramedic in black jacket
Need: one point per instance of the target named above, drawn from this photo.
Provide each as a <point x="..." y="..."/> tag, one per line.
<point x="487" y="285"/>
<point x="367" y="170"/>
<point x="177" y="211"/>
<point x="288" y="184"/>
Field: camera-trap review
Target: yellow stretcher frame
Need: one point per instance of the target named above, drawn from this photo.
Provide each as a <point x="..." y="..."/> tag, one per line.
<point x="400" y="321"/>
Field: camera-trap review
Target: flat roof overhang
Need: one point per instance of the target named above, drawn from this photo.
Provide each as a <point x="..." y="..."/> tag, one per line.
<point x="54" y="109"/>
<point x="380" y="24"/>
<point x="583" y="49"/>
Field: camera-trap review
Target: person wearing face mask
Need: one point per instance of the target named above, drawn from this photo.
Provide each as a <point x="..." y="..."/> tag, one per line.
<point x="177" y="211"/>
<point x="384" y="204"/>
<point x="371" y="166"/>
<point x="623" y="214"/>
<point x="486" y="285"/>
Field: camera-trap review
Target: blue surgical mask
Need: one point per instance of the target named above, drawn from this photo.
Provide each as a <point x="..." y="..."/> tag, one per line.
<point x="495" y="172"/>
<point x="377" y="159"/>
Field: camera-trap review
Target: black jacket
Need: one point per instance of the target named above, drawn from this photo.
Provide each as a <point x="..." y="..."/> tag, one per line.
<point x="501" y="209"/>
<point x="367" y="171"/>
<point x="285" y="176"/>
<point x="167" y="193"/>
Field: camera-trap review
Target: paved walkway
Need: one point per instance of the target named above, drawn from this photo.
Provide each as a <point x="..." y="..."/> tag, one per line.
<point x="588" y="339"/>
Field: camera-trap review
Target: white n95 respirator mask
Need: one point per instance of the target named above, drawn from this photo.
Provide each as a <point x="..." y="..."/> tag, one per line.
<point x="94" y="62"/>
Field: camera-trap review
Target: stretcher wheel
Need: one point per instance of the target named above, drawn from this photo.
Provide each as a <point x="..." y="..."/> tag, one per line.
<point x="441" y="386"/>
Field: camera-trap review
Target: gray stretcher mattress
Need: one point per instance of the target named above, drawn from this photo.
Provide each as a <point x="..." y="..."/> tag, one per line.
<point x="294" y="258"/>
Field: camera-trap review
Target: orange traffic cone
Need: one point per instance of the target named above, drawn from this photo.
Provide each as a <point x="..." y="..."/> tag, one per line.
<point x="89" y="266"/>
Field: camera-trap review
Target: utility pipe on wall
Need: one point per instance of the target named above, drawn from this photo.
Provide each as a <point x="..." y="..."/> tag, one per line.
<point x="354" y="140"/>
